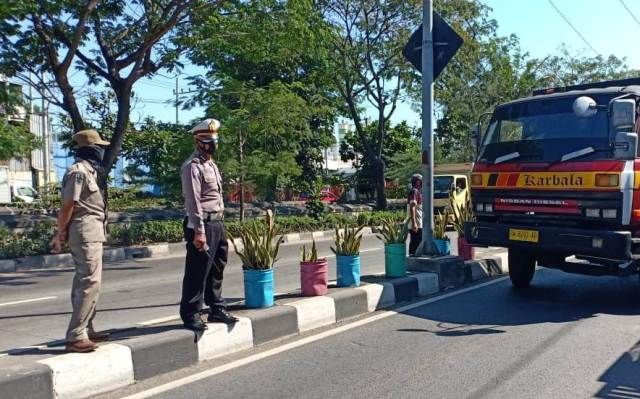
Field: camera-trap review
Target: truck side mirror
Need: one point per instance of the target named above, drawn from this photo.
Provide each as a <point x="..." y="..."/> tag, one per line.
<point x="623" y="119"/>
<point x="623" y="114"/>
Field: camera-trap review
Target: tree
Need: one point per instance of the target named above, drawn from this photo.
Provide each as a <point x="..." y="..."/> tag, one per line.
<point x="490" y="69"/>
<point x="15" y="138"/>
<point x="156" y="151"/>
<point x="369" y="67"/>
<point x="112" y="41"/>
<point x="267" y="79"/>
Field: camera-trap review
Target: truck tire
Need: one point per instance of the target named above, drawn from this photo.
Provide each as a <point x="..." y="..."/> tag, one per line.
<point x="522" y="266"/>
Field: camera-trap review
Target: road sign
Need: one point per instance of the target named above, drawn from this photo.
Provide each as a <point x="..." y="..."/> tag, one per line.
<point x="446" y="43"/>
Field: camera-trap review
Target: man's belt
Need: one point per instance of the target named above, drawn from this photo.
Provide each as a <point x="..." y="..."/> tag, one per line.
<point x="213" y="216"/>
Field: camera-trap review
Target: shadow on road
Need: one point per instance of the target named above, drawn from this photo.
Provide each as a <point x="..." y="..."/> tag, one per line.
<point x="554" y="297"/>
<point x="623" y="378"/>
<point x="21" y="316"/>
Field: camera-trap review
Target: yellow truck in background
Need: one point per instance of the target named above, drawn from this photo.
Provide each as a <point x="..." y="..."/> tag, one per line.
<point x="450" y="179"/>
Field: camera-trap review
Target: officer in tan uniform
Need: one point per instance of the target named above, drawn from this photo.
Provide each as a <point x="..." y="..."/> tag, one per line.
<point x="82" y="223"/>
<point x="204" y="231"/>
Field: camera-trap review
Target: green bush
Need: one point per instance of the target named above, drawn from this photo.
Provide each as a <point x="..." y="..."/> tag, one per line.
<point x="29" y="243"/>
<point x="36" y="241"/>
<point x="140" y="233"/>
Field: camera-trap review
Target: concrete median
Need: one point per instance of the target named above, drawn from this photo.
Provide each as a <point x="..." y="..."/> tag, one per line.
<point x="168" y="348"/>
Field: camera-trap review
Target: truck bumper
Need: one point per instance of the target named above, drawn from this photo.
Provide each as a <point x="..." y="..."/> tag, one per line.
<point x="596" y="243"/>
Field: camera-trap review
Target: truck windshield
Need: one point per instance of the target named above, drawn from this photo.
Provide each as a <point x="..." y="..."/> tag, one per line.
<point x="442" y="186"/>
<point x="544" y="130"/>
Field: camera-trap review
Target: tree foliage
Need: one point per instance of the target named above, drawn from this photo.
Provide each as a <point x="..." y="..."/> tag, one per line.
<point x="110" y="41"/>
<point x="369" y="68"/>
<point x="15" y="138"/>
<point x="268" y="81"/>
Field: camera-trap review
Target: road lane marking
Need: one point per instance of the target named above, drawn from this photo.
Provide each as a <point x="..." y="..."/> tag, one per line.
<point x="292" y="345"/>
<point x="28" y="301"/>
<point x="159" y="320"/>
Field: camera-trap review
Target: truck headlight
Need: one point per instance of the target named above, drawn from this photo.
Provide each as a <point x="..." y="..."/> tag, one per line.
<point x="480" y="207"/>
<point x="488" y="207"/>
<point x="609" y="213"/>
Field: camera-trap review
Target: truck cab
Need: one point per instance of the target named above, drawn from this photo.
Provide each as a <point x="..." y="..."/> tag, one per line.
<point x="449" y="188"/>
<point x="557" y="181"/>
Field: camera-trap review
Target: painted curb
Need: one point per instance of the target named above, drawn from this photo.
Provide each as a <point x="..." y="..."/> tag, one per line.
<point x="405" y="288"/>
<point x="349" y="302"/>
<point x="379" y="295"/>
<point x="167" y="351"/>
<point x="21" y="380"/>
<point x="137" y="252"/>
<point x="220" y="339"/>
<point x="314" y="312"/>
<point x="272" y="323"/>
<point x="427" y="283"/>
<point x="7" y="266"/>
<point x="79" y="375"/>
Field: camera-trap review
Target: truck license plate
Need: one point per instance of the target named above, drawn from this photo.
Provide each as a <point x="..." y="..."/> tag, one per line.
<point x="523" y="235"/>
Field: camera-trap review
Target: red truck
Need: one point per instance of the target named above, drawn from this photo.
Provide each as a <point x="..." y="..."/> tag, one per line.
<point x="557" y="181"/>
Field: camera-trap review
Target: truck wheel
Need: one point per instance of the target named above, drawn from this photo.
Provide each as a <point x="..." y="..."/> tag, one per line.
<point x="522" y="266"/>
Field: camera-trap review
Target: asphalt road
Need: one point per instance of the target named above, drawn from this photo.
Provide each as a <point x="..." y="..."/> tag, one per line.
<point x="567" y="337"/>
<point x="35" y="306"/>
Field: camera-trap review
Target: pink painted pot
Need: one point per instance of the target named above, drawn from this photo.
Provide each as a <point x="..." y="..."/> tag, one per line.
<point x="465" y="250"/>
<point x="314" y="277"/>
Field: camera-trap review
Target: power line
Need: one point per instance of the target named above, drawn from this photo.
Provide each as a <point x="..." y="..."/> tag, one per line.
<point x="629" y="11"/>
<point x="573" y="27"/>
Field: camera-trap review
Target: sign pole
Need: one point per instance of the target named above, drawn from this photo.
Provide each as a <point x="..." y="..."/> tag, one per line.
<point x="427" y="128"/>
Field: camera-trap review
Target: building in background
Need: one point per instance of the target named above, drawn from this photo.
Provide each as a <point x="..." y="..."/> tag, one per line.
<point x="20" y="177"/>
<point x="331" y="155"/>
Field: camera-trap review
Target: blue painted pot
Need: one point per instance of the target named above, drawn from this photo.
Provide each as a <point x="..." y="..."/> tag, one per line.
<point x="348" y="271"/>
<point x="443" y="246"/>
<point x="258" y="288"/>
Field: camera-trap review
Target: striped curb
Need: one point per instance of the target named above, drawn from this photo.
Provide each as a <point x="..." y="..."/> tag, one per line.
<point x="220" y="339"/>
<point x="80" y="375"/>
<point x="116" y="365"/>
<point x="138" y="252"/>
<point x="20" y="379"/>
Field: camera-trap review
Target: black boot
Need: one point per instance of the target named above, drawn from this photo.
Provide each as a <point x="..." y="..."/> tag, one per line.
<point x="221" y="315"/>
<point x="195" y="323"/>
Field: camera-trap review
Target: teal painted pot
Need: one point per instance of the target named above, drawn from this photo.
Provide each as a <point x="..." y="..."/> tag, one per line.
<point x="395" y="260"/>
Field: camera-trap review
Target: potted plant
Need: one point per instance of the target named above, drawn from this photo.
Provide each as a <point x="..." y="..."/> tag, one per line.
<point x="347" y="250"/>
<point x="314" y="272"/>
<point x="440" y="239"/>
<point x="260" y="245"/>
<point x="462" y="213"/>
<point x="394" y="236"/>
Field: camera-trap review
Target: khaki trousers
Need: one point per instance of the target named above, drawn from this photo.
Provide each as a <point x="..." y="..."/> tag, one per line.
<point x="86" y="288"/>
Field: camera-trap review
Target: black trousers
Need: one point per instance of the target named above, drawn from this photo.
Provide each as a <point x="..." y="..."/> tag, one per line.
<point x="203" y="270"/>
<point x="415" y="238"/>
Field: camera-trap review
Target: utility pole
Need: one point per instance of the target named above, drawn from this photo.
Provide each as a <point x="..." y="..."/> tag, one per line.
<point x="45" y="139"/>
<point x="427" y="128"/>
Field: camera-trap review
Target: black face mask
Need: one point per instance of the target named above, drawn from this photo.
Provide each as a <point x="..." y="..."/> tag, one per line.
<point x="207" y="146"/>
<point x="94" y="154"/>
<point x="91" y="153"/>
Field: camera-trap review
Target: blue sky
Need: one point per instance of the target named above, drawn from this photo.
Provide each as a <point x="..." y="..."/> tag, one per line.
<point x="605" y="24"/>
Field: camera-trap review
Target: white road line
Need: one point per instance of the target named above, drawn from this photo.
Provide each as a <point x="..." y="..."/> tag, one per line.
<point x="28" y="300"/>
<point x="158" y="321"/>
<point x="325" y="334"/>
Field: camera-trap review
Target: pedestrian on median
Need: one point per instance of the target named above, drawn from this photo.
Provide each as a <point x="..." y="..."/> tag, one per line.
<point x="82" y="223"/>
<point x="204" y="232"/>
<point x="414" y="210"/>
